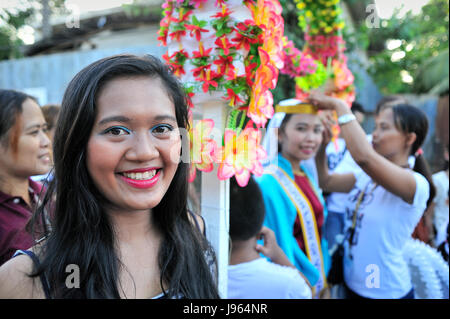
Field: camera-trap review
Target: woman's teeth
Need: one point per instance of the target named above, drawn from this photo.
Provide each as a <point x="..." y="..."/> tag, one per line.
<point x="141" y="176"/>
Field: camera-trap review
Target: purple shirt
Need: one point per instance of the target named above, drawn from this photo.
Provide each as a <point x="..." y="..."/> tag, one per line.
<point x="14" y="215"/>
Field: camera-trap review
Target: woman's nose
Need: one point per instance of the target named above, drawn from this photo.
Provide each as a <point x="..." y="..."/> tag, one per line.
<point x="45" y="140"/>
<point x="375" y="133"/>
<point x="142" y="149"/>
<point x="311" y="136"/>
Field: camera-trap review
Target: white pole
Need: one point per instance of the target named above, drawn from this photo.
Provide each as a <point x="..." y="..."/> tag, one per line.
<point x="215" y="196"/>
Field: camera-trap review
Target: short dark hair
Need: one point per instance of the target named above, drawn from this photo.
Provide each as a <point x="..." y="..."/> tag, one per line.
<point x="247" y="210"/>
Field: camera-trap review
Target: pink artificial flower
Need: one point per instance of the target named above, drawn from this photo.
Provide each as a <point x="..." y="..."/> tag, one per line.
<point x="241" y="155"/>
<point x="203" y="149"/>
<point x="197" y="3"/>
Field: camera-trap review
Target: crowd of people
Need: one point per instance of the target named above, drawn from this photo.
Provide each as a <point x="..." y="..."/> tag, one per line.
<point x="98" y="183"/>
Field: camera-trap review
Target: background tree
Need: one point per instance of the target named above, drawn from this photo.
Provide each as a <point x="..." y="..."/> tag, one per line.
<point x="408" y="53"/>
<point x="10" y="22"/>
<point x="27" y="12"/>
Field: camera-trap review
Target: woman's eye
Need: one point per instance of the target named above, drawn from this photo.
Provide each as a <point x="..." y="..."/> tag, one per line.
<point x="117" y="131"/>
<point x="162" y="129"/>
<point x="301" y="128"/>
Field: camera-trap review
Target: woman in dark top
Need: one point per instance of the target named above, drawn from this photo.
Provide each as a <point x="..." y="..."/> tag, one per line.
<point x="120" y="226"/>
<point x="25" y="151"/>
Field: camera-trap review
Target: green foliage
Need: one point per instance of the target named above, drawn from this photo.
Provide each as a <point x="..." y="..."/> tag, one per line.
<point x="137" y="9"/>
<point x="423" y="40"/>
<point x="12" y="20"/>
<point x="312" y="81"/>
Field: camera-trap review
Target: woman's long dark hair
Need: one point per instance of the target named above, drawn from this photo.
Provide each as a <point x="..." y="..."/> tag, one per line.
<point x="410" y="119"/>
<point x="81" y="232"/>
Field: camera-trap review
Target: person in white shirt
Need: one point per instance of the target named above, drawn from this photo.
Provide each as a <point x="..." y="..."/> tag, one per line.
<point x="389" y="198"/>
<point x="440" y="203"/>
<point x="249" y="275"/>
<point x="340" y="161"/>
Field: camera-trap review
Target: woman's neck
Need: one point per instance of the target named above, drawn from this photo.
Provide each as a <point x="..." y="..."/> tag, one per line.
<point x="401" y="160"/>
<point x="295" y="163"/>
<point x="132" y="227"/>
<point x="138" y="242"/>
<point x="16" y="187"/>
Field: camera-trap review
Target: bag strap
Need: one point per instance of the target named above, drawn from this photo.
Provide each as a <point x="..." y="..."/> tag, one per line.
<point x="355" y="213"/>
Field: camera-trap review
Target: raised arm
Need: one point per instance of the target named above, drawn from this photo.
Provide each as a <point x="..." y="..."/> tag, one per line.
<point x="392" y="177"/>
<point x="342" y="183"/>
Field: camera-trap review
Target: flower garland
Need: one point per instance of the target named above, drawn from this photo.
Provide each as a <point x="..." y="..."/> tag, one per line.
<point x="322" y="22"/>
<point x="322" y="63"/>
<point x="225" y="49"/>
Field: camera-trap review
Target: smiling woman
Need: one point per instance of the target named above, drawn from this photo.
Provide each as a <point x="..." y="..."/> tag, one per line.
<point x="120" y="213"/>
<point x="129" y="151"/>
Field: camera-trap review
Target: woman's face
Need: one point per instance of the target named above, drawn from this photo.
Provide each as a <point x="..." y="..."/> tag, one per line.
<point x="134" y="148"/>
<point x="301" y="137"/>
<point x="33" y="146"/>
<point x="387" y="140"/>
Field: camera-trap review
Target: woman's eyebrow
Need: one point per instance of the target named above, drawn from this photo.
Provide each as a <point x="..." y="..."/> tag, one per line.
<point x="115" y="118"/>
<point x="301" y="123"/>
<point x="34" y="126"/>
<point x="165" y="117"/>
<point x="124" y="119"/>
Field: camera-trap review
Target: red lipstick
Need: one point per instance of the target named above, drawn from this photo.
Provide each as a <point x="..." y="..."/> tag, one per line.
<point x="142" y="183"/>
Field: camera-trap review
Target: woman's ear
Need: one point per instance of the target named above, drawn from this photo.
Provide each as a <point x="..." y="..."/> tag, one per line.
<point x="410" y="139"/>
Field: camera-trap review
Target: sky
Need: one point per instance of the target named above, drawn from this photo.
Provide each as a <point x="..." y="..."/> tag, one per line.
<point x="94" y="5"/>
<point x="385" y="8"/>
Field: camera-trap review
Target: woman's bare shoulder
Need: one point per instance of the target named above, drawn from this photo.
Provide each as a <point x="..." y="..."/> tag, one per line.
<point x="197" y="219"/>
<point x="16" y="283"/>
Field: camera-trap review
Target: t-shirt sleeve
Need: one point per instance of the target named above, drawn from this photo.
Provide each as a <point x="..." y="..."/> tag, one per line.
<point x="298" y="288"/>
<point x="422" y="191"/>
<point x="439" y="182"/>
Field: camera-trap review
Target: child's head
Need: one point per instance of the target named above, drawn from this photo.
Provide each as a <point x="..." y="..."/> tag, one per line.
<point x="247" y="210"/>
